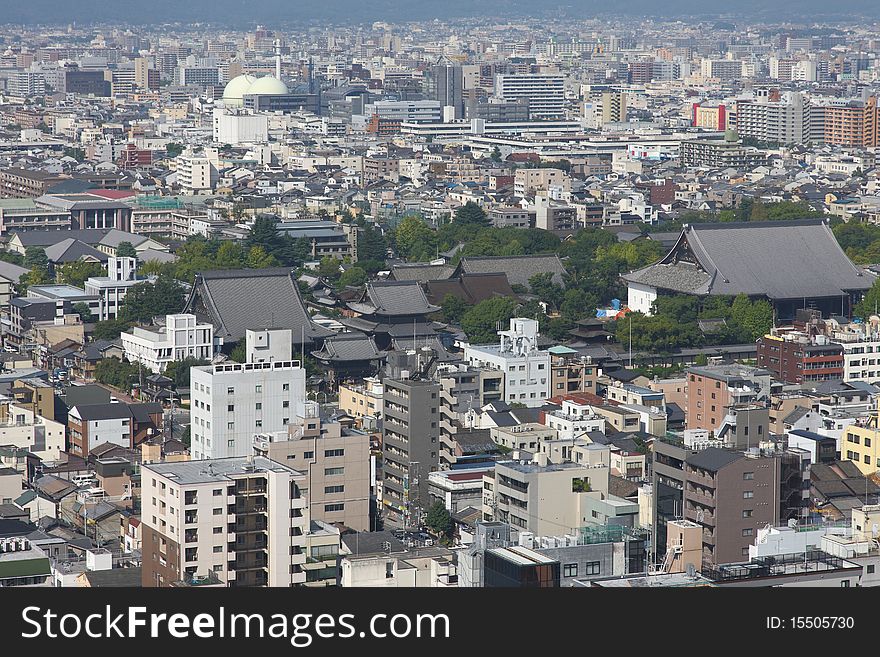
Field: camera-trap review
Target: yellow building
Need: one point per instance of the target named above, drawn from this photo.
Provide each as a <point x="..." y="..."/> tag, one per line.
<point x="359" y="400"/>
<point x="860" y="445"/>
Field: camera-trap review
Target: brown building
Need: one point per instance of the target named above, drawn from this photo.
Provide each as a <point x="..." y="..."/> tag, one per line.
<point x="24" y="183"/>
<point x="712" y="389"/>
<point x="381" y="168"/>
<point x="572" y="373"/>
<point x="797" y="360"/>
<point x="733" y="494"/>
<point x="856" y="124"/>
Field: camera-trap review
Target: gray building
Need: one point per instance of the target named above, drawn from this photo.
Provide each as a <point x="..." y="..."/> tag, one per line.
<point x="410" y="448"/>
<point x="444" y="84"/>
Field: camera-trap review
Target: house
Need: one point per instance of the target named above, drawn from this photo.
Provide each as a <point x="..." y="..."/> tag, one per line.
<point x="126" y="425"/>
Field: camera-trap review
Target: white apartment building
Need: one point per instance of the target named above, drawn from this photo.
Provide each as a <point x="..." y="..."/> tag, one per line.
<point x="111" y="289"/>
<point x="239" y="521"/>
<point x="861" y="358"/>
<point x="196" y="174"/>
<point x="43" y="437"/>
<point x="786" y="121"/>
<point x="232" y="402"/>
<point x="526" y="368"/>
<point x="544" y="92"/>
<point x="574" y="420"/>
<point x="183" y="336"/>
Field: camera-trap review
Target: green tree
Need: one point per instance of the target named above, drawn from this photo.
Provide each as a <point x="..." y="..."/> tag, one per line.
<point x="438" y="519"/>
<point x="110" y="329"/>
<point x="239" y="352"/>
<point x="479" y="323"/>
<point x="173" y="149"/>
<point x="113" y="372"/>
<point x="147" y="300"/>
<point x="471" y="213"/>
<point x="126" y="250"/>
<point x="353" y="276"/>
<point x="453" y="308"/>
<point x="371" y="244"/>
<point x="179" y="370"/>
<point x="496" y="154"/>
<point x="82" y="309"/>
<point x="870" y="303"/>
<point x="35" y="258"/>
<point x="546" y="290"/>
<point x="77" y="272"/>
<point x="258" y="258"/>
<point x="415" y="240"/>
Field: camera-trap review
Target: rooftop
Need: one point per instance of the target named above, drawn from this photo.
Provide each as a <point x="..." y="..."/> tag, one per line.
<point x="215" y="470"/>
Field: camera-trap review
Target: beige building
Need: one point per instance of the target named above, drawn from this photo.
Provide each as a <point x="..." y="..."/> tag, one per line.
<point x="335" y="462"/>
<point x="361" y="400"/>
<point x="241" y="521"/>
<point x="528" y="181"/>
<point x="432" y="567"/>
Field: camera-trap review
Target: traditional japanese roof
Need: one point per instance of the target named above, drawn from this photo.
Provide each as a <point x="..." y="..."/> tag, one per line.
<point x="347" y="347"/>
<point x="519" y="269"/>
<point x="471" y="288"/>
<point x="235" y="300"/>
<point x="393" y="299"/>
<point x="777" y="259"/>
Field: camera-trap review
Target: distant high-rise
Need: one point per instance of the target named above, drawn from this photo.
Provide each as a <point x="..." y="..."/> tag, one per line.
<point x="444" y="81"/>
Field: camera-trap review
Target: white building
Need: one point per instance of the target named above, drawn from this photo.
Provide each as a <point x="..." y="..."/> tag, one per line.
<point x="239" y="127"/>
<point x="111" y="289"/>
<point x="861" y="358"/>
<point x="196" y="174"/>
<point x="574" y="420"/>
<point x="526" y="368"/>
<point x="232" y="402"/>
<point x="241" y="521"/>
<point x="545" y="93"/>
<point x="181" y="337"/>
<point x="41" y="436"/>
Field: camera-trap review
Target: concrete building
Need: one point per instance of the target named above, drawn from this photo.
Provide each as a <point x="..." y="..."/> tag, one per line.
<point x="335" y="462"/>
<point x="410" y="448"/>
<point x="545" y="93"/>
<point x="526" y="368"/>
<point x="196" y="174"/>
<point x="712" y="389"/>
<point x="182" y="336"/>
<point x="236" y="127"/>
<point x="236" y="521"/>
<point x="111" y="289"/>
<point x="232" y="402"/>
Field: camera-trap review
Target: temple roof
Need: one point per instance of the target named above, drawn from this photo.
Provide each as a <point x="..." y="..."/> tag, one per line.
<point x="776" y="259"/>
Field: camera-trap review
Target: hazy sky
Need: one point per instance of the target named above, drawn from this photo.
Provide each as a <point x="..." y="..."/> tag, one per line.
<point x="247" y="12"/>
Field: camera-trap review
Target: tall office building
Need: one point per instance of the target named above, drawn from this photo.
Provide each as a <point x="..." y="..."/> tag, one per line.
<point x="410" y="448"/>
<point x="613" y="107"/>
<point x="545" y="93"/>
<point x="239" y="522"/>
<point x="232" y="402"/>
<point x="783" y="121"/>
<point x="444" y="83"/>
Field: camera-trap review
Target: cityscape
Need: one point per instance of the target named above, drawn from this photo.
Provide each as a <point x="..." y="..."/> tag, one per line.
<point x="538" y="299"/>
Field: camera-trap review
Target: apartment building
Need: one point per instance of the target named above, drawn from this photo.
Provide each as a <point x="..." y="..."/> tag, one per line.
<point x="528" y="181"/>
<point x="410" y="448"/>
<point x="526" y="368"/>
<point x="195" y="174"/>
<point x="231" y="402"/>
<point x="27" y="183"/>
<point x="613" y="108"/>
<point x="572" y="373"/>
<point x="545" y="93"/>
<point x="712" y="389"/>
<point x="855" y="125"/>
<point x="733" y="494"/>
<point x="783" y="121"/>
<point x="182" y="336"/>
<point x="240" y="521"/>
<point x="126" y="425"/>
<point x="464" y="391"/>
<point x="798" y="358"/>
<point x="335" y="462"/>
<point x="111" y="289"/>
<point x="22" y="428"/>
<point x="859" y="444"/>
<point x="361" y="400"/>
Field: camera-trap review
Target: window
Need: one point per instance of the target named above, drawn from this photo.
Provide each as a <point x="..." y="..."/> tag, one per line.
<point x="330" y="453"/>
<point x="285" y="404"/>
<point x="218" y="511"/>
<point x="867" y="442"/>
<point x="870" y="569"/>
<point x="592" y="568"/>
<point x="258" y="424"/>
<point x="218" y="492"/>
<point x="328" y="472"/>
<point x="570" y="570"/>
<point x="285" y="387"/>
<point x="258" y="388"/>
<point x="218" y="530"/>
<point x="218" y="549"/>
<point x="333" y="489"/>
<point x="230" y="425"/>
<point x="747" y="513"/>
<point x="748" y="476"/>
<point x="845" y="584"/>
<point x="308" y="455"/>
<point x="258" y="406"/>
<point x="230" y="407"/>
<point x="748" y="494"/>
<point x="230" y="391"/>
<point x="329" y="508"/>
<point x="748" y="532"/>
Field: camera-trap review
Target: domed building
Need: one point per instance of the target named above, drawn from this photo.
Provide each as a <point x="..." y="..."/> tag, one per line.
<point x="236" y="88"/>
<point x="268" y="86"/>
